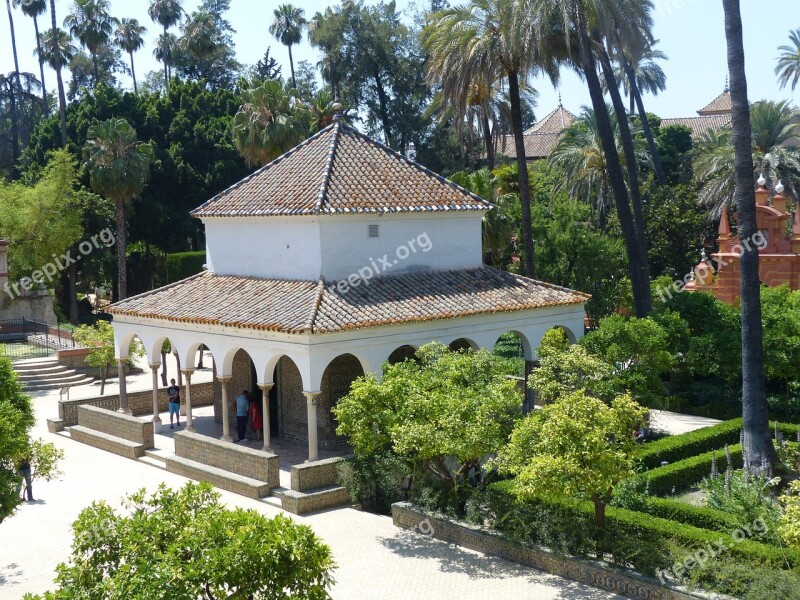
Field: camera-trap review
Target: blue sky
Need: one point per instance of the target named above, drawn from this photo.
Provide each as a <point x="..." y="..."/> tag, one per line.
<point x="691" y="33"/>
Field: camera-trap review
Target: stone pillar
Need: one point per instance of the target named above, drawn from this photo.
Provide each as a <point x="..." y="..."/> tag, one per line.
<point x="156" y="415"/>
<point x="311" y="406"/>
<point x="265" y="389"/>
<point x="122" y="364"/>
<point x="226" y="423"/>
<point x="189" y="423"/>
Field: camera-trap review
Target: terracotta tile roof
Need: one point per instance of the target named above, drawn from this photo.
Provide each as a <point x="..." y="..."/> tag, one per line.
<point x="699" y="125"/>
<point x="336" y="171"/>
<point x="556" y="122"/>
<point x="720" y="105"/>
<point x="310" y="306"/>
<point x="537" y="145"/>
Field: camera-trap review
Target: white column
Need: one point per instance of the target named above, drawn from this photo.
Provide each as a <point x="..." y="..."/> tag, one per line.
<point x="122" y="364"/>
<point x="311" y="406"/>
<point x="226" y="423"/>
<point x="156" y="415"/>
<point x="265" y="388"/>
<point x="188" y="374"/>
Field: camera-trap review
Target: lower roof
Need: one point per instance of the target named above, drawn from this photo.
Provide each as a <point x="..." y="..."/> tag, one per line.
<point x="318" y="307"/>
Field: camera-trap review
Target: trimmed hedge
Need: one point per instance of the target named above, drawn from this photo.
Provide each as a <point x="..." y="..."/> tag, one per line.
<point x="678" y="447"/>
<point x="654" y="537"/>
<point x="184" y="264"/>
<point x="698" y="516"/>
<point x="683" y="474"/>
<point x="685" y="445"/>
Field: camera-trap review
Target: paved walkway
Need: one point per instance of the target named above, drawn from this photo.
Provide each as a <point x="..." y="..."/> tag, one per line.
<point x="376" y="560"/>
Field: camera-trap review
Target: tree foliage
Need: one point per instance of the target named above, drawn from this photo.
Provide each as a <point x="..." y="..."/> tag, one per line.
<point x="100" y="338"/>
<point x="446" y="411"/>
<point x="16" y="419"/>
<point x="186" y="545"/>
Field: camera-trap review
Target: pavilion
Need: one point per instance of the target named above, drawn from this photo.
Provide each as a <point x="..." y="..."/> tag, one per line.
<point x="321" y="266"/>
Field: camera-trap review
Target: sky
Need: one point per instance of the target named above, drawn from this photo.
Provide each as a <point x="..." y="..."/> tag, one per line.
<point x="691" y="33"/>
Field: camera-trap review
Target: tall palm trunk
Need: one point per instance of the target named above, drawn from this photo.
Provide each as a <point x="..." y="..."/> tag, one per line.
<point x="133" y="74"/>
<point x="641" y="290"/>
<point x="96" y="70"/>
<point x="633" y="172"/>
<point x="62" y="98"/>
<point x="15" y="106"/>
<point x="636" y="96"/>
<point x="487" y="140"/>
<point x="757" y="439"/>
<point x="291" y="66"/>
<point x="122" y="244"/>
<point x="522" y="168"/>
<point x="41" y="60"/>
<point x="14" y="130"/>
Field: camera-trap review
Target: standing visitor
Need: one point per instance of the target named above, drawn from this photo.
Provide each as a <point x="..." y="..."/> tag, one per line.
<point x="255" y="418"/>
<point x="174" y="393"/>
<point x="242" y="408"/>
<point x="25" y="471"/>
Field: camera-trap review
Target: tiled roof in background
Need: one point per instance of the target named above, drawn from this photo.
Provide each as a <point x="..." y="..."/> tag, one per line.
<point x="699" y="125"/>
<point x="340" y="171"/>
<point x="718" y="106"/>
<point x="315" y="307"/>
<point x="556" y="122"/>
<point x="537" y="145"/>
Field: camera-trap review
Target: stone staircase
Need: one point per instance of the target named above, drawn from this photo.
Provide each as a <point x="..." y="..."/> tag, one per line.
<point x="46" y="374"/>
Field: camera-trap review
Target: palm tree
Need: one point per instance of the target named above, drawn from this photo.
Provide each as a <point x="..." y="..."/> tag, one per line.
<point x="129" y="38"/>
<point x="200" y="36"/>
<point x="287" y="27"/>
<point x="57" y="51"/>
<point x="269" y="123"/>
<point x="163" y="52"/>
<point x="639" y="72"/>
<point x="757" y="445"/>
<point x="34" y="9"/>
<point x="788" y="67"/>
<point x="92" y="24"/>
<point x="14" y="107"/>
<point x="578" y="20"/>
<point x="57" y="59"/>
<point x="490" y="39"/>
<point x="323" y="107"/>
<point x="119" y="167"/>
<point x="166" y="13"/>
<point x="580" y="158"/>
<point x="773" y="154"/>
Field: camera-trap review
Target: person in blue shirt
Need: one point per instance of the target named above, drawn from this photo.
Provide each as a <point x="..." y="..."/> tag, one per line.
<point x="242" y="406"/>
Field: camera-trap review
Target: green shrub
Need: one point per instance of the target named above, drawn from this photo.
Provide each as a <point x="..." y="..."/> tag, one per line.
<point x="698" y="516"/>
<point x="184" y="264"/>
<point x="682" y="475"/>
<point x="686" y="445"/>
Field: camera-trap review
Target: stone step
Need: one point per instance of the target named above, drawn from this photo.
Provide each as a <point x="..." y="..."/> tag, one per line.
<point x="157" y="455"/>
<point x="153" y="462"/>
<point x="34" y="371"/>
<point x="107" y="442"/>
<point x="47" y="376"/>
<point x="55" y="385"/>
<point x="244" y="486"/>
<point x="300" y="503"/>
<point x="34" y="364"/>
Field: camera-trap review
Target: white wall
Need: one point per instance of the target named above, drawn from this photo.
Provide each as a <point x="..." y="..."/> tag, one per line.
<point x="337" y="246"/>
<point x="274" y="247"/>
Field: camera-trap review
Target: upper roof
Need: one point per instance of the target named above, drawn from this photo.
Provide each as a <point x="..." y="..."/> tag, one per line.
<point x="537" y="145"/>
<point x="721" y="105"/>
<point x="340" y="171"/>
<point x="318" y="307"/>
<point x="699" y="125"/>
<point x="556" y="122"/>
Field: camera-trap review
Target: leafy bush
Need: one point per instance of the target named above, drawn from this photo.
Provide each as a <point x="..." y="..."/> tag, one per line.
<point x="685" y="473"/>
<point x="744" y="496"/>
<point x="184" y="264"/>
<point x="789" y="527"/>
<point x="698" y="516"/>
<point x="686" y="445"/>
<point x="375" y="481"/>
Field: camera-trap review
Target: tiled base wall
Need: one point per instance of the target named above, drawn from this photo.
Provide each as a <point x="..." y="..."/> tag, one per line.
<point x="406" y="516"/>
<point x="116" y="424"/>
<point x="140" y="403"/>
<point x="319" y="473"/>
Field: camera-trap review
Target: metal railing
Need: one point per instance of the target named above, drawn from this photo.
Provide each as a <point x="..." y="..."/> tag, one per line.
<point x="25" y="338"/>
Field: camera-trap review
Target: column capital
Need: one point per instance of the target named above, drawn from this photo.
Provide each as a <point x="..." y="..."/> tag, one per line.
<point x="155" y="366"/>
<point x="266" y="386"/>
<point x="311" y="396"/>
<point x="187" y="372"/>
<point x="224" y="378"/>
<point x="122" y="361"/>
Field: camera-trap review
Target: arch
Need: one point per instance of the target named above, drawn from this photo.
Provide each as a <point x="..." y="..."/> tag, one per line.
<point x="508" y="347"/>
<point x="337" y="378"/>
<point x="288" y="411"/>
<point x="402" y="353"/>
<point x="462" y="344"/>
<point x="123" y="340"/>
